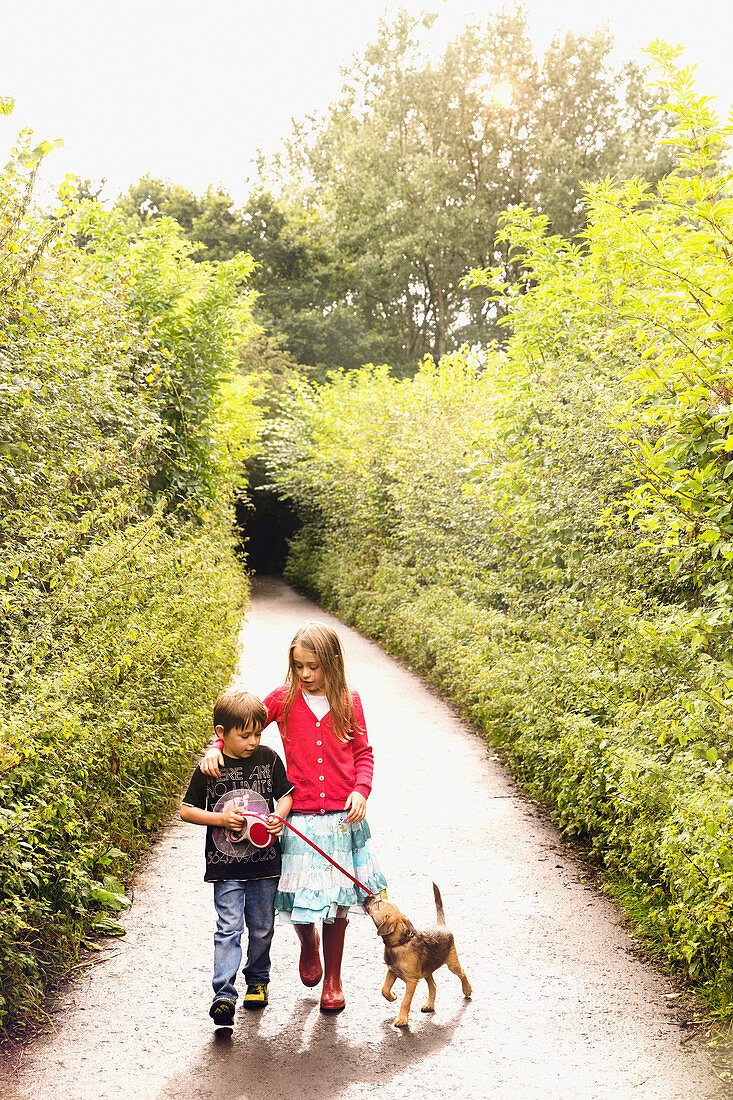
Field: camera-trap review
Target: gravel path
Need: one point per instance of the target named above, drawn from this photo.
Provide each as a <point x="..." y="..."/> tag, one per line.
<point x="562" y="1009"/>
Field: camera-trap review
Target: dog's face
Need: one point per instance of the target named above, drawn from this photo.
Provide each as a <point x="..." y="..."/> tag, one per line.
<point x="385" y="915"/>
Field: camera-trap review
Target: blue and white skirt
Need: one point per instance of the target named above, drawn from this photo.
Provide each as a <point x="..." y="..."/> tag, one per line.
<point x="310" y="888"/>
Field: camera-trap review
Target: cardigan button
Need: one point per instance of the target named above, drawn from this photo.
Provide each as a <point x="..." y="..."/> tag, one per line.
<point x="322" y="811"/>
<point x="318" y="723"/>
<point x="319" y="742"/>
<point x="322" y="794"/>
<point x="321" y="777"/>
<point x="320" y="760"/>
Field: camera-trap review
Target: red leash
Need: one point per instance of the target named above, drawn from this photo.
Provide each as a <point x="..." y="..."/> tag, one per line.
<point x="319" y="850"/>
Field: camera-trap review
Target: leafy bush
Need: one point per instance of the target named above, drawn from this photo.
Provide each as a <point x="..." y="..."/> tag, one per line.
<point x="122" y="429"/>
<point x="547" y="533"/>
<point x="97" y="741"/>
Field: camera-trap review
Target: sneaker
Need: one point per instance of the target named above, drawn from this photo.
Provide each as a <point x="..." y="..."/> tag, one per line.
<point x="222" y="1012"/>
<point x="256" y="996"/>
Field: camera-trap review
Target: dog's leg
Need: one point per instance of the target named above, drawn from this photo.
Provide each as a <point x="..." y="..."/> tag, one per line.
<point x="387" y="987"/>
<point x="403" y="1016"/>
<point x="454" y="965"/>
<point x="429" y="1005"/>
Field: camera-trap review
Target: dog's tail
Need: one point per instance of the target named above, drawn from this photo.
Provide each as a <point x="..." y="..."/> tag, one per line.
<point x="438" y="905"/>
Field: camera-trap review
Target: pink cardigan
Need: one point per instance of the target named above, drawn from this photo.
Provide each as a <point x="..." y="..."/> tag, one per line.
<point x="323" y="770"/>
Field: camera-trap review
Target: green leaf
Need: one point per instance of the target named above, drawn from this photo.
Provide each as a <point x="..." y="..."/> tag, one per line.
<point x="106" y="926"/>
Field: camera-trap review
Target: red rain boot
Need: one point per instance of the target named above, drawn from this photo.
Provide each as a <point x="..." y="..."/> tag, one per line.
<point x="310" y="968"/>
<point x="332" y="995"/>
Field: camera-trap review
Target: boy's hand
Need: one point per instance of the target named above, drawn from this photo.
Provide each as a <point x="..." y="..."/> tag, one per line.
<point x="212" y="762"/>
<point x="274" y="826"/>
<point x="232" y="819"/>
<point x="356" y="805"/>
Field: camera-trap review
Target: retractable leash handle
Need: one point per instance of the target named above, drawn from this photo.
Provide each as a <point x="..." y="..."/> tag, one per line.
<point x="317" y="849"/>
<point x="254" y="830"/>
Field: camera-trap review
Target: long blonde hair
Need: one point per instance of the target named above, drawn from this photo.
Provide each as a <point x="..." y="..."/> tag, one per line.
<point x="324" y="643"/>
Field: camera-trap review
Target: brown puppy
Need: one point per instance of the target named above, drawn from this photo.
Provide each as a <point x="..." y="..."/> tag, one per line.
<point x="412" y="955"/>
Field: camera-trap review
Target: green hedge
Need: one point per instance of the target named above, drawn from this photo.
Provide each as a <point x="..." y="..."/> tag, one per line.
<point x="96" y="746"/>
<point x="123" y="424"/>
<point x="663" y="827"/>
<point x="546" y="531"/>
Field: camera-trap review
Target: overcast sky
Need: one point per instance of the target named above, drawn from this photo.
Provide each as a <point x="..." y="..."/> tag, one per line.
<point x="189" y="91"/>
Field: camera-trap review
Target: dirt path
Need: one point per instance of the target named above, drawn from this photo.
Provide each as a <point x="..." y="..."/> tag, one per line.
<point x="562" y="1010"/>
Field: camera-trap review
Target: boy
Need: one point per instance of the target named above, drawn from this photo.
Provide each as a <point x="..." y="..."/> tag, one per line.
<point x="245" y="877"/>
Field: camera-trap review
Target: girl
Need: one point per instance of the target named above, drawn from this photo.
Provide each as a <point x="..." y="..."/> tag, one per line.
<point x="330" y="763"/>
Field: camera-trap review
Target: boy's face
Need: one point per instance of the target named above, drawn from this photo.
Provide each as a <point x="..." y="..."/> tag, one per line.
<point x="240" y="742"/>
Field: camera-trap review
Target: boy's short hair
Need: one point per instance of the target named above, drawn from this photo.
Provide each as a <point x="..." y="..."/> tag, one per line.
<point x="241" y="709"/>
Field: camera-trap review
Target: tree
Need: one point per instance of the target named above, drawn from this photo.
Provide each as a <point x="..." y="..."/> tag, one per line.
<point x="376" y="211"/>
<point x="302" y="292"/>
<point x="208" y="220"/>
<point x="297" y="275"/>
<point x="410" y="170"/>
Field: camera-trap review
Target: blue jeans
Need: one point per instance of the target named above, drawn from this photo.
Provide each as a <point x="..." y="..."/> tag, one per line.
<point x="239" y="903"/>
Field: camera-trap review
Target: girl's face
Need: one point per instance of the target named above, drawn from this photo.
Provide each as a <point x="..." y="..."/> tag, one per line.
<point x="308" y="670"/>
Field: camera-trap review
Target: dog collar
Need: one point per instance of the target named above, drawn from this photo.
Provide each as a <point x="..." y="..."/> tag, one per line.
<point x="401" y="943"/>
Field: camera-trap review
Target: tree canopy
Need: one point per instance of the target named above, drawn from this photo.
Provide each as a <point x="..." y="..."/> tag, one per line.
<point x="364" y="226"/>
<point x="410" y="171"/>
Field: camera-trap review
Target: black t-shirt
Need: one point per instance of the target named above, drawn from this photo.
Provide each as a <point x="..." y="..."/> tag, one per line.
<point x="262" y="773"/>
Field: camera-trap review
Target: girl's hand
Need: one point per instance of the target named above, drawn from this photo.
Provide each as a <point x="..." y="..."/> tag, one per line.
<point x="274" y="826"/>
<point x="212" y="761"/>
<point x="356" y="805"/>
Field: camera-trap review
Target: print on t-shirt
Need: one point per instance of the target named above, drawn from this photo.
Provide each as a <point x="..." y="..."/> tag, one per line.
<point x="263" y="773"/>
<point x="248" y="802"/>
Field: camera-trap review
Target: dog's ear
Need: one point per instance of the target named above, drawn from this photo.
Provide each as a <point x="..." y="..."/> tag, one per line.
<point x="387" y="927"/>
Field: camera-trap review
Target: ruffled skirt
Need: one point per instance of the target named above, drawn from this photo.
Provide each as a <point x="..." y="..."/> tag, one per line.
<point x="310" y="888"/>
